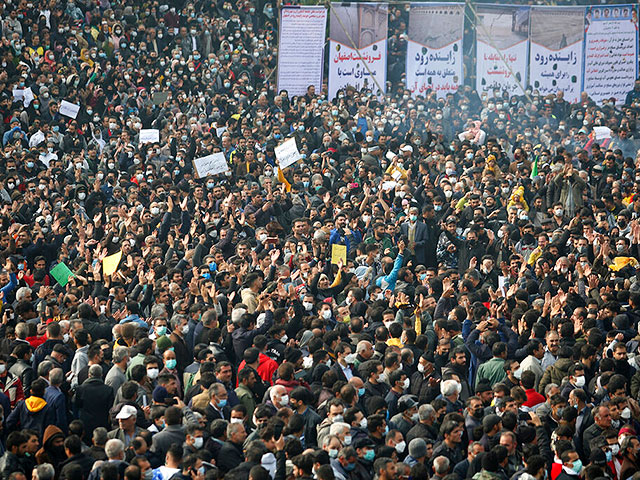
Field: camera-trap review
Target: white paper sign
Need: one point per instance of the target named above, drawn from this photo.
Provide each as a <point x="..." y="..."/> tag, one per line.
<point x="18" y="94"/>
<point x="69" y="109"/>
<point x="220" y="131"/>
<point x="287" y="153"/>
<point x="211" y="165"/>
<point x="149" y="135"/>
<point x="602" y="133"/>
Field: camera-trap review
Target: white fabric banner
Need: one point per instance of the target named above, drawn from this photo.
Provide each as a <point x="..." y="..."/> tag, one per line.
<point x="555" y="61"/>
<point x="611" y="51"/>
<point x="301" y="49"/>
<point x="364" y="26"/>
<point x="502" y="46"/>
<point x="434" y="48"/>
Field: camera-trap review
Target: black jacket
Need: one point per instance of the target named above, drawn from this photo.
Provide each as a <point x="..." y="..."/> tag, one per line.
<point x="93" y="401"/>
<point x="230" y="456"/>
<point x="85" y="461"/>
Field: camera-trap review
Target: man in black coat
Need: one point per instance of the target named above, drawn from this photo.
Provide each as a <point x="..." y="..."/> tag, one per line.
<point x="231" y="452"/>
<point x="416" y="232"/>
<point x="93" y="400"/>
<point x="73" y="449"/>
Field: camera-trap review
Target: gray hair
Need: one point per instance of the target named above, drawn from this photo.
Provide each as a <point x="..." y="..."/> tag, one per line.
<point x="338" y="427"/>
<point x="327" y="440"/>
<point x="233" y="428"/>
<point x="426" y="411"/>
<point x="22" y="330"/>
<point x="114" y="448"/>
<point x="215" y="389"/>
<point x="100" y="436"/>
<point x="548" y="388"/>
<point x="56" y="377"/>
<point x="44" y="368"/>
<point x="22" y="293"/>
<point x="158" y="311"/>
<point x="441" y="465"/>
<point x="120" y="354"/>
<point x="45" y="472"/>
<point x="449" y="387"/>
<point x="95" y="371"/>
<point x="177" y="320"/>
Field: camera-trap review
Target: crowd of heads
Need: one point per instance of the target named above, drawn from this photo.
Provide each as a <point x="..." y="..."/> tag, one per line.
<point x="442" y="286"/>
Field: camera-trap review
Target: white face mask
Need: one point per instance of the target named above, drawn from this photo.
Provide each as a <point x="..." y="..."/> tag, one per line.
<point x="3" y="368"/>
<point x="406" y="383"/>
<point x="347" y="440"/>
<point x="284" y="400"/>
<point x="152" y="373"/>
<point x="580" y="381"/>
<point x="235" y="420"/>
<point x="421" y="368"/>
<point x="401" y="446"/>
<point x="199" y="441"/>
<point x="308" y="306"/>
<point x="326" y="314"/>
<point x="65" y="337"/>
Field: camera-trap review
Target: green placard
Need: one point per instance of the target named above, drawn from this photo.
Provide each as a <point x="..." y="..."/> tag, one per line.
<point x="61" y="273"/>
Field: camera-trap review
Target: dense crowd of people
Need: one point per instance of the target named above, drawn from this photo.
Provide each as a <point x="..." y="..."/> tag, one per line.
<point x="442" y="288"/>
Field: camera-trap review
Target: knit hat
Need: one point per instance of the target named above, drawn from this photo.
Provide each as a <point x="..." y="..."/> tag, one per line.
<point x="163" y="343"/>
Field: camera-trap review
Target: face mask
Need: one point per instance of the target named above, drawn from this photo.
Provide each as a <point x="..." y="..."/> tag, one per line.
<point x="580" y="381"/>
<point x="558" y="212"/>
<point x="235" y="420"/>
<point x="609" y="456"/>
<point x="308" y="306"/>
<point x="222" y="403"/>
<point x="615" y="448"/>
<point x="65" y="337"/>
<point x="369" y="455"/>
<point x="518" y="373"/>
<point x="361" y="392"/>
<point x="152" y="373"/>
<point x="626" y="413"/>
<point x="401" y="446"/>
<point x="284" y="400"/>
<point x="160" y="331"/>
<point x="326" y="314"/>
<point x="333" y="453"/>
<point x="171" y="363"/>
<point x="350" y="359"/>
<point x="577" y="466"/>
<point x="413" y="218"/>
<point x="347" y="440"/>
<point x="338" y="419"/>
<point x="185" y="329"/>
<point x="406" y="383"/>
<point x="198" y="443"/>
<point x="3" y="368"/>
<point x="82" y="196"/>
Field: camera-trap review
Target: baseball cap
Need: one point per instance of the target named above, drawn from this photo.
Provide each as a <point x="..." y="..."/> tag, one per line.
<point x="127" y="411"/>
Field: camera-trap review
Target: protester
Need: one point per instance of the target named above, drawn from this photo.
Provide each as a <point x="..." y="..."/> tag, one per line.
<point x="441" y="287"/>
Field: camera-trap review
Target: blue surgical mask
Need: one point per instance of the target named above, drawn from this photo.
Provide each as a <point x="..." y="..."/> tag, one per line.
<point x="160" y="331"/>
<point x="361" y="392"/>
<point x="171" y="363"/>
<point x="222" y="403"/>
<point x="577" y="466"/>
<point x="369" y="455"/>
<point x="350" y="467"/>
<point x="305" y="184"/>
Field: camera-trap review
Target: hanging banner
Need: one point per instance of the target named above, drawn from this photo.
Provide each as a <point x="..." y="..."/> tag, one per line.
<point x="610" y="51"/>
<point x="300" y="62"/>
<point x="555" y="61"/>
<point x="502" y="45"/>
<point x="358" y="47"/>
<point x="434" y="48"/>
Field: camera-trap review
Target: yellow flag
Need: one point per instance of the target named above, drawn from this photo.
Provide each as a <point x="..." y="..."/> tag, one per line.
<point x="110" y="263"/>
<point x="620" y="262"/>
<point x="282" y="179"/>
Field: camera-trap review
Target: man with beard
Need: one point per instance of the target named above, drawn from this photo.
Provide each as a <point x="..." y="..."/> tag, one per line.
<point x="458" y="365"/>
<point x="441" y="356"/>
<point x="52" y="450"/>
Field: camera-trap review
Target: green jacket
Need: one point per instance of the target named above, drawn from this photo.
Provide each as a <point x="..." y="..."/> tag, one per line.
<point x="491" y="371"/>
<point x="245" y="395"/>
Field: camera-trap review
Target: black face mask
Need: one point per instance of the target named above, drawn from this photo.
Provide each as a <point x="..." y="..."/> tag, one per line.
<point x="478" y="413"/>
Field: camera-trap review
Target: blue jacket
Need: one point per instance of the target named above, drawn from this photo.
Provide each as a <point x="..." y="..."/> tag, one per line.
<point x="388" y="282"/>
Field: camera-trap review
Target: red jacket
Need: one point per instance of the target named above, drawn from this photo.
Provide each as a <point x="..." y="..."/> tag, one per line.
<point x="533" y="398"/>
<point x="267" y="366"/>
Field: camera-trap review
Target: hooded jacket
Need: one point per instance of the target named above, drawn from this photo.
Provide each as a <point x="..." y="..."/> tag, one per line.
<point x="33" y="413"/>
<point x="46" y="453"/>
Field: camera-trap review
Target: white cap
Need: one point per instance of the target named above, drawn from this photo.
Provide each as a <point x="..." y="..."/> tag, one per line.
<point x="127" y="411"/>
<point x="406" y="148"/>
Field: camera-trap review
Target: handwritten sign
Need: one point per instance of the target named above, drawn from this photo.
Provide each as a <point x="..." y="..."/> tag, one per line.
<point x="211" y="165"/>
<point x="159" y="98"/>
<point x="434" y="48"/>
<point x="149" y="135"/>
<point x="338" y="254"/>
<point x="610" y="51"/>
<point x="69" y="109"/>
<point x="287" y="153"/>
<point x="300" y="63"/>
<point x="602" y="133"/>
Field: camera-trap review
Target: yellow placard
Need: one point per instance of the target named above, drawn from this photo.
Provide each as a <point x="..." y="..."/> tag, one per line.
<point x="110" y="263"/>
<point x="338" y="253"/>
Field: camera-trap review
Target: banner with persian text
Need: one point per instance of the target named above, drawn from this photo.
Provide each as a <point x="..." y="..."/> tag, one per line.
<point x="502" y="46"/>
<point x="555" y="60"/>
<point x="610" y="51"/>
<point x="300" y="63"/>
<point x="358" y="47"/>
<point x="434" y="48"/>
